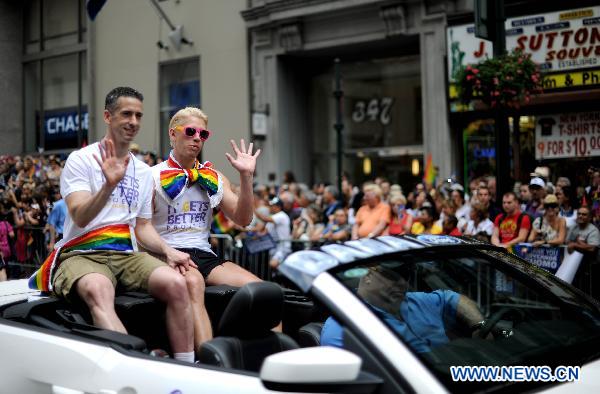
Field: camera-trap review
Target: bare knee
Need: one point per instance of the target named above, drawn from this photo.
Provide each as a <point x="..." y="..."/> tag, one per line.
<point x="96" y="292"/>
<point x="195" y="282"/>
<point x="171" y="288"/>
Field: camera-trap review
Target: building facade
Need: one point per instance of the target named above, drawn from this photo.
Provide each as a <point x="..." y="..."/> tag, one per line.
<point x="391" y="56"/>
<point x="57" y="66"/>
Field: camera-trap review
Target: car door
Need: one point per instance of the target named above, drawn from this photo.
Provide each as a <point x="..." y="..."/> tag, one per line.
<point x="37" y="360"/>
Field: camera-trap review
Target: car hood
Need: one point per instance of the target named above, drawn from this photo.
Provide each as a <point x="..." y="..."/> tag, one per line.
<point x="16" y="290"/>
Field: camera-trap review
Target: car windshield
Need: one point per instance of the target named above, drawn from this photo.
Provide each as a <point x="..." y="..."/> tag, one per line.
<point x="468" y="307"/>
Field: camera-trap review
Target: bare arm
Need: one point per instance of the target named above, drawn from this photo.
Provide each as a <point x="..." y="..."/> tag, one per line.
<point x="84" y="206"/>
<point x="496" y="237"/>
<point x="239" y="207"/>
<point x="150" y="240"/>
<point x="520" y="238"/>
<point x="468" y="312"/>
<point x="264" y="218"/>
<point x="562" y="233"/>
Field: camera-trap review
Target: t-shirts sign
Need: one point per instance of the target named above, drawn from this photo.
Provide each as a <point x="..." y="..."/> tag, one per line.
<point x="567" y="135"/>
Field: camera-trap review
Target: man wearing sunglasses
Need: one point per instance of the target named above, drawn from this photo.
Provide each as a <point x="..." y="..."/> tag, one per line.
<point x="108" y="193"/>
<point x="185" y="192"/>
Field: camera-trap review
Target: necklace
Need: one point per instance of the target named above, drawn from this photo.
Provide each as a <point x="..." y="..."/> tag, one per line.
<point x="129" y="199"/>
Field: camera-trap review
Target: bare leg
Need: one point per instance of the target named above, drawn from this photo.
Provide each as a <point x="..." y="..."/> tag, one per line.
<point x="230" y="274"/>
<point x="99" y="294"/>
<point x="169" y="286"/>
<point x="196" y="288"/>
<point x="3" y="274"/>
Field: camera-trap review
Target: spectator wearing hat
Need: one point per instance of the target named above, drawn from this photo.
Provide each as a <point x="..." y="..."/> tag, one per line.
<point x="549" y="229"/>
<point x="278" y="226"/>
<point x="537" y="188"/>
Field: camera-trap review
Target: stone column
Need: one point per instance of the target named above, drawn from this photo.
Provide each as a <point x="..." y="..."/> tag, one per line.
<point x="11" y="77"/>
<point x="437" y="138"/>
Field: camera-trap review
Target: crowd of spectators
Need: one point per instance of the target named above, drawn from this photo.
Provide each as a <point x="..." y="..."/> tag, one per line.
<point x="297" y="216"/>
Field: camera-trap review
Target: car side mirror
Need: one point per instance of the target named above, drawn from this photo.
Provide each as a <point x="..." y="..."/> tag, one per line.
<point x="317" y="370"/>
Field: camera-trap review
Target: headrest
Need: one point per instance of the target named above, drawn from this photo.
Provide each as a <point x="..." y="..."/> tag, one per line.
<point x="253" y="311"/>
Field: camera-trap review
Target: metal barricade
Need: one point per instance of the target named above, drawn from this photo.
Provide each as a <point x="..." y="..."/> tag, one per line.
<point x="233" y="250"/>
<point x="35" y="252"/>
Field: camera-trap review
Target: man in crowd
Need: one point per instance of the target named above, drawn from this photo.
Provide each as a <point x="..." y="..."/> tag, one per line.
<point x="485" y="198"/>
<point x="108" y="193"/>
<point x="373" y="217"/>
<point x="537" y="190"/>
<point x="331" y="202"/>
<point x="278" y="227"/>
<point x="584" y="237"/>
<point x="511" y="227"/>
<point x="185" y="192"/>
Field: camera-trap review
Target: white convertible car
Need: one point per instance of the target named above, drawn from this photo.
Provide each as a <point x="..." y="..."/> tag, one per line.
<point x="401" y="314"/>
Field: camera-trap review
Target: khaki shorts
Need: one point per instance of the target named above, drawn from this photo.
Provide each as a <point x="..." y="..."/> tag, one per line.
<point x="128" y="271"/>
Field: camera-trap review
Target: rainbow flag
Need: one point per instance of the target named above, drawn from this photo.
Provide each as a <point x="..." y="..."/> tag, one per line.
<point x="429" y="174"/>
<point x="115" y="237"/>
<point x="221" y="224"/>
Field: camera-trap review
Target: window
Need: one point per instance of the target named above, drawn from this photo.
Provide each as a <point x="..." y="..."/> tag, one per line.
<point x="468" y="308"/>
<point x="55" y="77"/>
<point x="179" y="88"/>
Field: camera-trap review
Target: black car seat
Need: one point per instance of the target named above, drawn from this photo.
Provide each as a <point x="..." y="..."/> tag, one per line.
<point x="245" y="332"/>
<point x="310" y="334"/>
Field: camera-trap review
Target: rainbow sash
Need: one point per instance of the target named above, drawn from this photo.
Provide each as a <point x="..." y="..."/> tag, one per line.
<point x="115" y="237"/>
<point x="175" y="179"/>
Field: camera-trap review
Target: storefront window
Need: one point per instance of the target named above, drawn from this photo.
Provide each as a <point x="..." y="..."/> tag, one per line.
<point x="382" y="119"/>
<point x="179" y="88"/>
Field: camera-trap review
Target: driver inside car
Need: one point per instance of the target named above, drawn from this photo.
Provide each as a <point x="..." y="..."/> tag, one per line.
<point x="420" y="318"/>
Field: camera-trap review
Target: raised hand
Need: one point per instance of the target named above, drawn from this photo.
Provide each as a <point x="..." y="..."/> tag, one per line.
<point x="113" y="168"/>
<point x="245" y="161"/>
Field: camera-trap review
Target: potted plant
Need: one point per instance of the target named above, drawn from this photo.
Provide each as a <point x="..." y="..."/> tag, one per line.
<point x="505" y="81"/>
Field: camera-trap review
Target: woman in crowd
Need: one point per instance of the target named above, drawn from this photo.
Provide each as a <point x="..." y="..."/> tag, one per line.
<point x="401" y="221"/>
<point x="309" y="226"/>
<point x="566" y="203"/>
<point x="479" y="226"/>
<point x="549" y="229"/>
<point x="338" y="229"/>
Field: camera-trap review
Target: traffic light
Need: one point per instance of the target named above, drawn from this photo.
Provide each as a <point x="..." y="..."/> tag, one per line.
<point x="488" y="15"/>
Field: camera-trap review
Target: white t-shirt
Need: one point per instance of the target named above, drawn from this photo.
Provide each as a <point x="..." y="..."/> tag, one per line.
<point x="185" y="222"/>
<point x="131" y="198"/>
<point x="485" y="226"/>
<point x="279" y="229"/>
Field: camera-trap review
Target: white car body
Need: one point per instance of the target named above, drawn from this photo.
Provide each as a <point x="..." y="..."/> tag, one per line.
<point x="41" y="360"/>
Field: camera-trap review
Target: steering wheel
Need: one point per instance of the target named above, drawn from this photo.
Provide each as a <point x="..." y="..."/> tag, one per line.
<point x="490" y="323"/>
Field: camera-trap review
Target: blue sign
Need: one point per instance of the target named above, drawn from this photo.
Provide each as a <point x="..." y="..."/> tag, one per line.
<point x="591" y="21"/>
<point x="438" y="239"/>
<point x="552" y="26"/>
<point x="546" y="257"/>
<point x="528" y="21"/>
<point x="61" y="127"/>
<point x="484" y="153"/>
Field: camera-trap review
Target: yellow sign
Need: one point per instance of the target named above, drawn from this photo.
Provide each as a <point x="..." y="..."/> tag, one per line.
<point x="572" y="79"/>
<point x="576" y="79"/>
<point x="576" y="14"/>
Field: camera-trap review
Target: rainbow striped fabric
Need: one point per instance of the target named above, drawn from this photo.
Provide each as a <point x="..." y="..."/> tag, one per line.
<point x="174" y="180"/>
<point x="116" y="237"/>
<point x="221" y="224"/>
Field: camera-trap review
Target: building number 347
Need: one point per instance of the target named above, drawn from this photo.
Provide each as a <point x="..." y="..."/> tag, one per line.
<point x="373" y="110"/>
